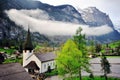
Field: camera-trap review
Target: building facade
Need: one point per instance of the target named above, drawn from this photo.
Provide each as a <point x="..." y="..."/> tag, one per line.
<point x="37" y="62"/>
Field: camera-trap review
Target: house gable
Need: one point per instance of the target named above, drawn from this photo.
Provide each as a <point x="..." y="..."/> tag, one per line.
<point x="34" y="58"/>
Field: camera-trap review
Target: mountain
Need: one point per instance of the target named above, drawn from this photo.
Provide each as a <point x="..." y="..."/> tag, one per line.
<point x="94" y="17"/>
<point x="63" y="13"/>
<point x="117" y="26"/>
<point x="91" y="16"/>
<point x="15" y="35"/>
<point x="12" y="34"/>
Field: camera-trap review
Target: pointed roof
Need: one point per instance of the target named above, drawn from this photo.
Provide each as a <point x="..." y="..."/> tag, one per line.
<point x="32" y="65"/>
<point x="28" y="43"/>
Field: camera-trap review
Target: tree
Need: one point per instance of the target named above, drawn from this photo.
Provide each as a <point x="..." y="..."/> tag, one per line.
<point x="1" y="58"/>
<point x="68" y="59"/>
<point x="118" y="49"/>
<point x="98" y="48"/>
<point x="28" y="43"/>
<point x="92" y="48"/>
<point x="105" y="66"/>
<point x="80" y="41"/>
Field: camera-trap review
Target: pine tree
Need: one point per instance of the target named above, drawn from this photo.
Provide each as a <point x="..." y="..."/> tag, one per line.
<point x="28" y="43"/>
<point x="105" y="66"/>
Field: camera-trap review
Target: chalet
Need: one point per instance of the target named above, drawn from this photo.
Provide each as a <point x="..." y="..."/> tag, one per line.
<point x="13" y="71"/>
<point x="36" y="62"/>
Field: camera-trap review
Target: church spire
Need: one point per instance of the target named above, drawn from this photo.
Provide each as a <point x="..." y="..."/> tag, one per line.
<point x="28" y="43"/>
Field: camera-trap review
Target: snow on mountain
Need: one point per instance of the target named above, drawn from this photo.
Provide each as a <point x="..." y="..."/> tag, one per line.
<point x="94" y="17"/>
<point x="117" y="27"/>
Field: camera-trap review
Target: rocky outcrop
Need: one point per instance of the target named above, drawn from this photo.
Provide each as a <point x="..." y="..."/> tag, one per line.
<point x="94" y="17"/>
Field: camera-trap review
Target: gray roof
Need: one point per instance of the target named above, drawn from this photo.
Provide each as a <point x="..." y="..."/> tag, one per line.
<point x="13" y="71"/>
<point x="44" y="57"/>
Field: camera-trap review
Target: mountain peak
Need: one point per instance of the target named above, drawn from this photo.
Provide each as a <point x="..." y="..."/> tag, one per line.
<point x="94" y="17"/>
<point x="91" y="10"/>
<point x="64" y="6"/>
<point x="68" y="8"/>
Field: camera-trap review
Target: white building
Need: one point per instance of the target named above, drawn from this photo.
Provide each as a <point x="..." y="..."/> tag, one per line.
<point x="33" y="62"/>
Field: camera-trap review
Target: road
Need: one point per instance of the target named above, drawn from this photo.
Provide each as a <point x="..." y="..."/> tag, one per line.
<point x="96" y="68"/>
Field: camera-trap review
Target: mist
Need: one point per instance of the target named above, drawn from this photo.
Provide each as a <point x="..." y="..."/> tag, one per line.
<point x="38" y="21"/>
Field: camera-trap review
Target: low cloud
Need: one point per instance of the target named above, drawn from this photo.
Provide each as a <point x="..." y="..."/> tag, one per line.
<point x="43" y="25"/>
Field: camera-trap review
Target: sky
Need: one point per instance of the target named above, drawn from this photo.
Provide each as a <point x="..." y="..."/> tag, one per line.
<point x="110" y="7"/>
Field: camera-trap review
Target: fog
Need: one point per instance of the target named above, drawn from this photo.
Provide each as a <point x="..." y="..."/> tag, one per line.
<point x="38" y="21"/>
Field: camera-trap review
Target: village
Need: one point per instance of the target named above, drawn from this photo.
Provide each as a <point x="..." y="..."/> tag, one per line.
<point x="41" y="65"/>
<point x="59" y="40"/>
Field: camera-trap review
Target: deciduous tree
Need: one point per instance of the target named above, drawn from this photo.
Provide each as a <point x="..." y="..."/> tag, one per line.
<point x="68" y="59"/>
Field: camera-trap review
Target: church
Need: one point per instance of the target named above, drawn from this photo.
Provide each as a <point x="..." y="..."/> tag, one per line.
<point x="37" y="62"/>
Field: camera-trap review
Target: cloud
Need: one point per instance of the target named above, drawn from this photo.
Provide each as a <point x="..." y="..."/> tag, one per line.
<point x="47" y="27"/>
<point x="37" y="13"/>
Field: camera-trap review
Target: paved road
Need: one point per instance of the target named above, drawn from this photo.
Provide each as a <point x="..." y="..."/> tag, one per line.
<point x="96" y="68"/>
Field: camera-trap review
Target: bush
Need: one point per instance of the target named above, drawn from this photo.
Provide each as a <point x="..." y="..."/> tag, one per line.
<point x="52" y="73"/>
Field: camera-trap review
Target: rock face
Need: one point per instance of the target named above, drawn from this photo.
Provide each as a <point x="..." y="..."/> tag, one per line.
<point x="94" y="17"/>
<point x="66" y="13"/>
<point x="14" y="35"/>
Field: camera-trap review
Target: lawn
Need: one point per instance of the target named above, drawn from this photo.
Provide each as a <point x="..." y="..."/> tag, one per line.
<point x="113" y="56"/>
<point x="13" y="61"/>
<point x="8" y="51"/>
<point x="95" y="78"/>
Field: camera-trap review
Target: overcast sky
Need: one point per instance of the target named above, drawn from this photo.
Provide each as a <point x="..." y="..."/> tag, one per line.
<point x="111" y="7"/>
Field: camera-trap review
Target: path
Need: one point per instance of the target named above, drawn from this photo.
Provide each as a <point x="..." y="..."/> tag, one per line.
<point x="96" y="68"/>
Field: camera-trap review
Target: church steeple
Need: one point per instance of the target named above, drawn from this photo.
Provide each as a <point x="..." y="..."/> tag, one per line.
<point x="28" y="43"/>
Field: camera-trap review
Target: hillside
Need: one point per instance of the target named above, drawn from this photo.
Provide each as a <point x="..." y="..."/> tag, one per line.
<point x="12" y="26"/>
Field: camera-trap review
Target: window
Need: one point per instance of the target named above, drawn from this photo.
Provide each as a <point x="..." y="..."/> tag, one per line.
<point x="44" y="66"/>
<point x="51" y="64"/>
